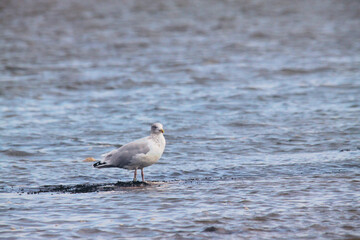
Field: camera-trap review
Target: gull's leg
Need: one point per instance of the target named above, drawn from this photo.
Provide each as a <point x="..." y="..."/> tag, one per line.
<point x="135" y="175"/>
<point x="142" y="174"/>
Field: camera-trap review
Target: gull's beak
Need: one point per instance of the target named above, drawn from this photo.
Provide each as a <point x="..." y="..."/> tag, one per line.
<point x="162" y="130"/>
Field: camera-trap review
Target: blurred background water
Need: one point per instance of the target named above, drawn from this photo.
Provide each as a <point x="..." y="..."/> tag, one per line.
<point x="259" y="101"/>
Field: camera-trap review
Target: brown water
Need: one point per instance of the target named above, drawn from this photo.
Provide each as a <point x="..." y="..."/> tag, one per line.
<point x="260" y="102"/>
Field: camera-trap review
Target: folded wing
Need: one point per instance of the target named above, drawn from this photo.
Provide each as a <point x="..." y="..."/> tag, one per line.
<point x="124" y="155"/>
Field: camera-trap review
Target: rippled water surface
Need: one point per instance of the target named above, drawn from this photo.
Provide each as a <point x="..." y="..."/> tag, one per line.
<point x="260" y="102"/>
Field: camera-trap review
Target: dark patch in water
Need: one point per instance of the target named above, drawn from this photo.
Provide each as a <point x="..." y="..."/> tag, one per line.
<point x="83" y="188"/>
<point x="345" y="150"/>
<point x="210" y="229"/>
<point x="350" y="149"/>
<point x="217" y="230"/>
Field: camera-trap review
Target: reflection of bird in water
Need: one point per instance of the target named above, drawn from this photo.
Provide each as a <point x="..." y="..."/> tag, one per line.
<point x="137" y="154"/>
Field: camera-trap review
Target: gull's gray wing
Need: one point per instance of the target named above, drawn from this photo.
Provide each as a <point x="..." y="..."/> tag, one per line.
<point x="122" y="157"/>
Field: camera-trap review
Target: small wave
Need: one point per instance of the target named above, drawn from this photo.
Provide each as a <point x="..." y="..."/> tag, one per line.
<point x="243" y="124"/>
<point x="15" y="68"/>
<point x="299" y="71"/>
<point x="16" y="153"/>
<point x="259" y="35"/>
<point x="339" y="85"/>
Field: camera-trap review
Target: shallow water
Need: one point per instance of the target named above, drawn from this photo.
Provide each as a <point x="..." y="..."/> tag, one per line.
<point x="259" y="101"/>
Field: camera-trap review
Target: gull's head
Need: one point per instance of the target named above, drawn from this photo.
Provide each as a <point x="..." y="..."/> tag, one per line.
<point x="157" y="128"/>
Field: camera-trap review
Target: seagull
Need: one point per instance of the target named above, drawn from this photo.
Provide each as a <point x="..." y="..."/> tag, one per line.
<point x="137" y="154"/>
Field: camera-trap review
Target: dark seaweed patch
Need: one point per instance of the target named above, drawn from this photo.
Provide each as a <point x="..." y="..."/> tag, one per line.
<point x="83" y="188"/>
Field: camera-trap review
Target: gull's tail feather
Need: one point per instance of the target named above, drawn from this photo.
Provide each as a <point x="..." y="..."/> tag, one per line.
<point x="101" y="165"/>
